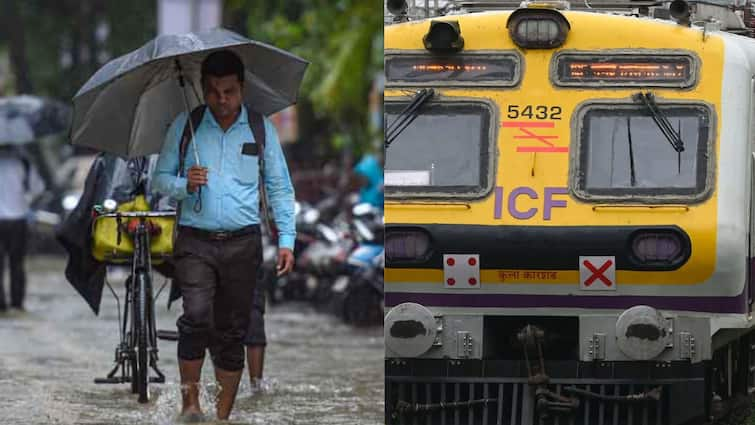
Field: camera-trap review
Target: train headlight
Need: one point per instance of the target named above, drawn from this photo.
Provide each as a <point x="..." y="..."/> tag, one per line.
<point x="406" y="245"/>
<point x="410" y="330"/>
<point x="535" y="28"/>
<point x="443" y="37"/>
<point x="642" y="333"/>
<point x="659" y="247"/>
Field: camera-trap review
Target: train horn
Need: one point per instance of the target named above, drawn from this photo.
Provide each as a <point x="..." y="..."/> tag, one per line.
<point x="397" y="7"/>
<point x="680" y="11"/>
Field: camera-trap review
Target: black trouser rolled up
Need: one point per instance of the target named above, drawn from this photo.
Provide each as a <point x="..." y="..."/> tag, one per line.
<point x="217" y="276"/>
<point x="13" y="245"/>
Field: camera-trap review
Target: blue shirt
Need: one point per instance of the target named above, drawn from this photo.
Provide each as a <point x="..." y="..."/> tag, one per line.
<point x="230" y="199"/>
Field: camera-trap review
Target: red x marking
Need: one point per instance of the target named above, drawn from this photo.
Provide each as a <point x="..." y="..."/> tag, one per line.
<point x="598" y="273"/>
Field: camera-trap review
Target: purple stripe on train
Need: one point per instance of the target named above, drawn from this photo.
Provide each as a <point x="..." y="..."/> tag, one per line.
<point x="735" y="304"/>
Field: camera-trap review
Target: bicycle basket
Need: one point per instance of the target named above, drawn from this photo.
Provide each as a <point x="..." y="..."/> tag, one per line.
<point x="105" y="246"/>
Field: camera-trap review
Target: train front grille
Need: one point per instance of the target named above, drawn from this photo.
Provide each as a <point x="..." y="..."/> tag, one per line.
<point x="501" y="401"/>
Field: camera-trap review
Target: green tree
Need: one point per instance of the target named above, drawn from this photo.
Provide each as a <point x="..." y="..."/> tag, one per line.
<point x="342" y="40"/>
<point x="55" y="46"/>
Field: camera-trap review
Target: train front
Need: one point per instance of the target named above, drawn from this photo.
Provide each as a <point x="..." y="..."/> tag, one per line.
<point x="567" y="219"/>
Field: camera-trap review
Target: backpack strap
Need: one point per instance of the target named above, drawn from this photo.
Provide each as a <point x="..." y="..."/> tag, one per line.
<point x="257" y="125"/>
<point x="195" y="118"/>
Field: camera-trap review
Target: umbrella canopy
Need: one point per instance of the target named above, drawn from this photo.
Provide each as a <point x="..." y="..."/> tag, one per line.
<point x="128" y="104"/>
<point x="25" y="118"/>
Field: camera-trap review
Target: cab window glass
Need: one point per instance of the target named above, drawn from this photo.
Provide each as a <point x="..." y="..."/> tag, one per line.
<point x="623" y="152"/>
<point x="445" y="150"/>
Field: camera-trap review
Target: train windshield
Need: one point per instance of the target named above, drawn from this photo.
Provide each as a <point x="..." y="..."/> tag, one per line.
<point x="623" y="152"/>
<point x="444" y="151"/>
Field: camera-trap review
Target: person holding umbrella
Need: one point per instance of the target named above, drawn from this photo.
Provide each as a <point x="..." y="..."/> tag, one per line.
<point x="23" y="120"/>
<point x="211" y="163"/>
<point x="21" y="182"/>
<point x="218" y="249"/>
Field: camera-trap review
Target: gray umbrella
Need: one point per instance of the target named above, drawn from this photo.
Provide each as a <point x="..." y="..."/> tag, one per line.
<point x="25" y="118"/>
<point x="128" y="104"/>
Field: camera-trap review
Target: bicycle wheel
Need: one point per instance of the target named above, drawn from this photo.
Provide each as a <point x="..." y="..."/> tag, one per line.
<point x="129" y="307"/>
<point x="142" y="336"/>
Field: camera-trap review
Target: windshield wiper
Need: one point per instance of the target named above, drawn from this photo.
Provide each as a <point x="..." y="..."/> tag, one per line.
<point x="632" y="178"/>
<point x="661" y="120"/>
<point x="407" y="115"/>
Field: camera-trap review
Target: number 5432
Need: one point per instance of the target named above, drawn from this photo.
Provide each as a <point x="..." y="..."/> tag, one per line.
<point x="538" y="112"/>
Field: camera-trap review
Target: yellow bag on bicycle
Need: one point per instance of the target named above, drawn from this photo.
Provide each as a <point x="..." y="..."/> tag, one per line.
<point x="105" y="246"/>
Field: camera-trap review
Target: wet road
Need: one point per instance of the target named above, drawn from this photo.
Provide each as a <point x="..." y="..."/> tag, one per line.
<point x="318" y="371"/>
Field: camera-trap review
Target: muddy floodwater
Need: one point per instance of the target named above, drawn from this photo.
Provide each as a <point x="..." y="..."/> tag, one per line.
<point x="318" y="370"/>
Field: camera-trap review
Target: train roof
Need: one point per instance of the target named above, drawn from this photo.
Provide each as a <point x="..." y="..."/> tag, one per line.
<point x="592" y="29"/>
<point x="735" y="16"/>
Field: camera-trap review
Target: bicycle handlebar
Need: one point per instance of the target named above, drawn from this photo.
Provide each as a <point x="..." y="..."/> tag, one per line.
<point x="139" y="214"/>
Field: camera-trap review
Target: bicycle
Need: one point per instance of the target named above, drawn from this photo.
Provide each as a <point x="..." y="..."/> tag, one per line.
<point x="137" y="351"/>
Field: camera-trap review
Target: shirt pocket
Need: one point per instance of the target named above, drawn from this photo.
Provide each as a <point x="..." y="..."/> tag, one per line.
<point x="247" y="167"/>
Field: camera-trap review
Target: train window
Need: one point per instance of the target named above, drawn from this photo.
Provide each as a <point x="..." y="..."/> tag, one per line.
<point x="624" y="69"/>
<point x="476" y="69"/>
<point x="624" y="154"/>
<point x="445" y="152"/>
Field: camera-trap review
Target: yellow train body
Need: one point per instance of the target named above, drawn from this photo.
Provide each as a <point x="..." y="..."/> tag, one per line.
<point x="592" y="33"/>
<point x="538" y="270"/>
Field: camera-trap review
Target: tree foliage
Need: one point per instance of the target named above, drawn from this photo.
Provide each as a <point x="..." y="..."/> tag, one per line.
<point x="342" y="40"/>
<point x="55" y="46"/>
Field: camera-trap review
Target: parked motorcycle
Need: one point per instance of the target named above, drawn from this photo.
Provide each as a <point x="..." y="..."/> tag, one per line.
<point x="357" y="295"/>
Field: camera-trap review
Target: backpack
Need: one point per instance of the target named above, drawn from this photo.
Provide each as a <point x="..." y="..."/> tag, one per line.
<point x="257" y="125"/>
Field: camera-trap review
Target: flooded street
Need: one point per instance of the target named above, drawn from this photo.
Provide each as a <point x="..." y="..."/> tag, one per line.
<point x="318" y="371"/>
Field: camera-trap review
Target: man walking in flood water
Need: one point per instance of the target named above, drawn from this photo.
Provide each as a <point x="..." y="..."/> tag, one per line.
<point x="218" y="248"/>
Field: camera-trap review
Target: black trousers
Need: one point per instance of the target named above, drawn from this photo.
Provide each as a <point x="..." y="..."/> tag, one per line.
<point x="217" y="280"/>
<point x="13" y="246"/>
<point x="255" y="333"/>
